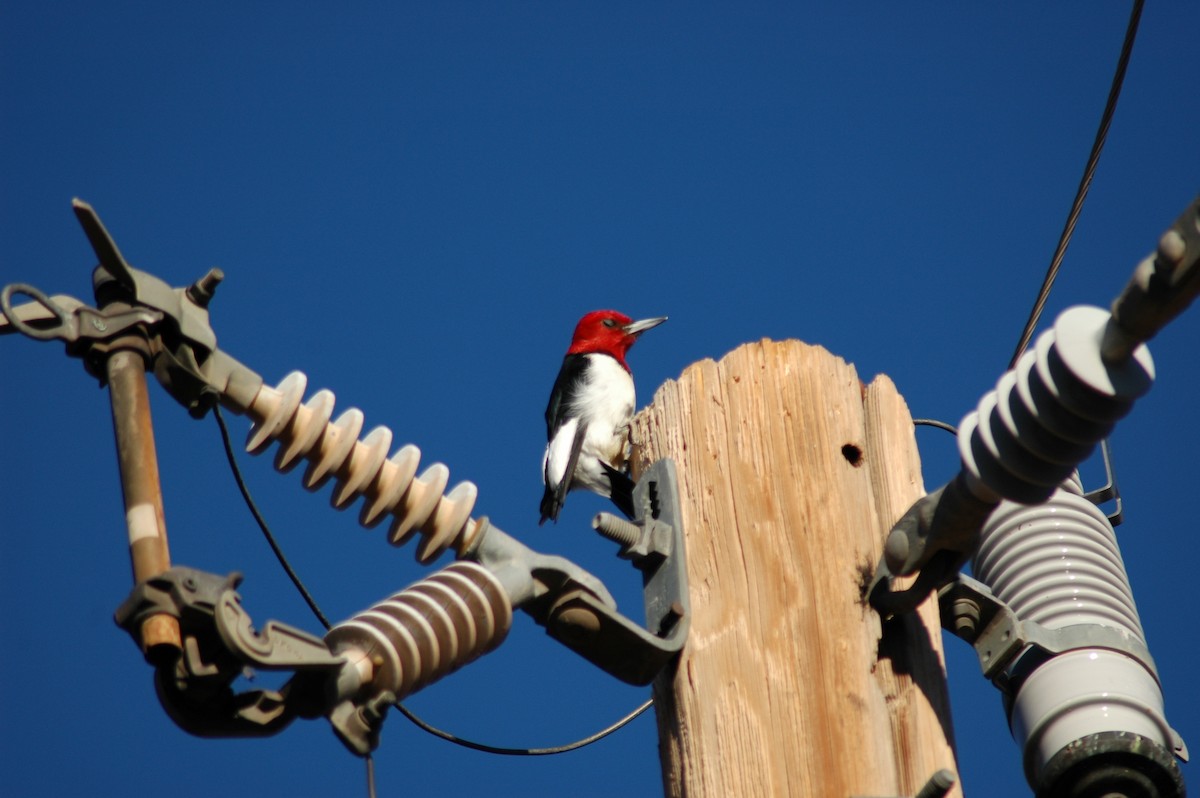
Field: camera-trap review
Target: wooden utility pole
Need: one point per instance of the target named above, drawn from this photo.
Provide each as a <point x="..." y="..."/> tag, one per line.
<point x="791" y="472"/>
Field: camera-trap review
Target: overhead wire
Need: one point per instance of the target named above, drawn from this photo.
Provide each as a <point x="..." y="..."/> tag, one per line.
<point x="1085" y="182"/>
<point x="262" y="522"/>
<point x="558" y="749"/>
<point x="405" y="711"/>
<point x="933" y="422"/>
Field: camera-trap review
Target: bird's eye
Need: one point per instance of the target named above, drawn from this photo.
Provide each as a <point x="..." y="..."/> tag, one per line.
<point x="609" y="323"/>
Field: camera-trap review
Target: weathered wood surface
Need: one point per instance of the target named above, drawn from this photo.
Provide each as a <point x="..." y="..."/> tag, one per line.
<point x="791" y="472"/>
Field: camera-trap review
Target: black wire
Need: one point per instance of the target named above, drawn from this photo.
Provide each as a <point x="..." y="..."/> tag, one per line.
<point x="1084" y="184"/>
<point x="312" y="604"/>
<point x="262" y="523"/>
<point x="491" y="749"/>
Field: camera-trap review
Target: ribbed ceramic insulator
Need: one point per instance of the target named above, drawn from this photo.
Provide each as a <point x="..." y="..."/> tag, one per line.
<point x="429" y="629"/>
<point x="389" y="486"/>
<point x="1047" y="414"/>
<point x="1058" y="565"/>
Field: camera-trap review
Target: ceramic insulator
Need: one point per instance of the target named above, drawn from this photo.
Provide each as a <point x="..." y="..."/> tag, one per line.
<point x="388" y="486"/>
<point x="1058" y="565"/>
<point x="1047" y="414"/>
<point x="429" y="629"/>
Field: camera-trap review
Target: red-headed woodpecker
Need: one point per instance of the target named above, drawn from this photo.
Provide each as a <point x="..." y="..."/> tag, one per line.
<point x="587" y="419"/>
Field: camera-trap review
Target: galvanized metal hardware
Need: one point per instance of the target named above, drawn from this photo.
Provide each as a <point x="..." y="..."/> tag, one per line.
<point x="935" y="537"/>
<point x="219" y="643"/>
<point x="404" y="642"/>
<point x="1109" y="491"/>
<point x="970" y="611"/>
<point x="1045" y="416"/>
<point x="1161" y="287"/>
<point x="594" y="629"/>
<point x="66" y="319"/>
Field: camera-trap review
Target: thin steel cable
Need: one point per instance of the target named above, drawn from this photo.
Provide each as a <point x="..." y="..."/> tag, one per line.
<point x="1085" y="183"/>
<point x="491" y="749"/>
<point x="933" y="422"/>
<point x="405" y="711"/>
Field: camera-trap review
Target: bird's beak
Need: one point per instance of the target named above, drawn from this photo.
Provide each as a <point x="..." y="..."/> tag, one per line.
<point x="636" y="328"/>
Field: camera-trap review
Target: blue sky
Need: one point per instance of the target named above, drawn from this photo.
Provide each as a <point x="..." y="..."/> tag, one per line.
<point x="413" y="203"/>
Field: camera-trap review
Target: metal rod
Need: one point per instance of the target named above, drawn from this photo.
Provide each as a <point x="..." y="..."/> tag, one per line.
<point x="138" y="462"/>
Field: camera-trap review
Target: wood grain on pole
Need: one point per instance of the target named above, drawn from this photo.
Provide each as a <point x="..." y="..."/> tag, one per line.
<point x="791" y="472"/>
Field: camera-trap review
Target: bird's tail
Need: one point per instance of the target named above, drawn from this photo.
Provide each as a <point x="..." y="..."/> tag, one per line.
<point x="622" y="489"/>
<point x="551" y="505"/>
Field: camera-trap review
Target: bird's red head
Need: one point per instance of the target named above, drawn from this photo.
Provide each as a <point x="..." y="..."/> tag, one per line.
<point x="609" y="332"/>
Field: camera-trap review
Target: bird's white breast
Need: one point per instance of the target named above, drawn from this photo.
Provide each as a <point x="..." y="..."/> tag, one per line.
<point x="605" y="404"/>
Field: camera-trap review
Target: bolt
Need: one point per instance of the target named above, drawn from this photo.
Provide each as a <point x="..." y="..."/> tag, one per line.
<point x="617" y="529"/>
<point x="577" y="624"/>
<point x="99" y="324"/>
<point x="201" y="292"/>
<point x="966" y="619"/>
<point x="895" y="550"/>
<point x="1172" y="246"/>
<point x="938" y="785"/>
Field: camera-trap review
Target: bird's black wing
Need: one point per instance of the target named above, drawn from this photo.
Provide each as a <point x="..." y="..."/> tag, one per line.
<point x="557" y="412"/>
<point x="569" y="376"/>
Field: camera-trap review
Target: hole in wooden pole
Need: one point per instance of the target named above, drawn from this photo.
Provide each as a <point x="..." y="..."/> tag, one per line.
<point x="853" y="454"/>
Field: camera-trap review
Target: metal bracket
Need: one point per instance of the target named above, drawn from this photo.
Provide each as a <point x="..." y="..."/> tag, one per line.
<point x="594" y="629"/>
<point x="935" y="536"/>
<point x="1008" y="647"/>
<point x="219" y="642"/>
<point x="182" y="345"/>
<point x="1109" y="491"/>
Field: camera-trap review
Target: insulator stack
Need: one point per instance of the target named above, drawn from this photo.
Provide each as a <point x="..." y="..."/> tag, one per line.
<point x="427" y="630"/>
<point x="1047" y="414"/>
<point x="1058" y="565"/>
<point x="389" y="486"/>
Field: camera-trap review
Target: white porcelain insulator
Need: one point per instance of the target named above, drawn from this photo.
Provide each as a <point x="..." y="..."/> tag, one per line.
<point x="1058" y="565"/>
<point x="417" y="505"/>
<point x="1047" y="414"/>
<point x="429" y="629"/>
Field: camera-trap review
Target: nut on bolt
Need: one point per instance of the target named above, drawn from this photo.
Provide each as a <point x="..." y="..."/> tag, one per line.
<point x="966" y="619"/>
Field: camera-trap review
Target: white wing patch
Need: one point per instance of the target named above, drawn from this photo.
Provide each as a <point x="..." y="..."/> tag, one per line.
<point x="558" y="452"/>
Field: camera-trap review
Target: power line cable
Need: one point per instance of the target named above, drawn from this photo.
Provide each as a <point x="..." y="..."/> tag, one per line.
<point x="1085" y="183"/>
<point x="491" y="749"/>
<point x="262" y="522"/>
<point x="405" y="711"/>
<point x="933" y="422"/>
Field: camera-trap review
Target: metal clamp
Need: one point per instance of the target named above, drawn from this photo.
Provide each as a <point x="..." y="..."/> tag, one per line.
<point x="935" y="535"/>
<point x="653" y="542"/>
<point x="972" y="612"/>
<point x="219" y="642"/>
